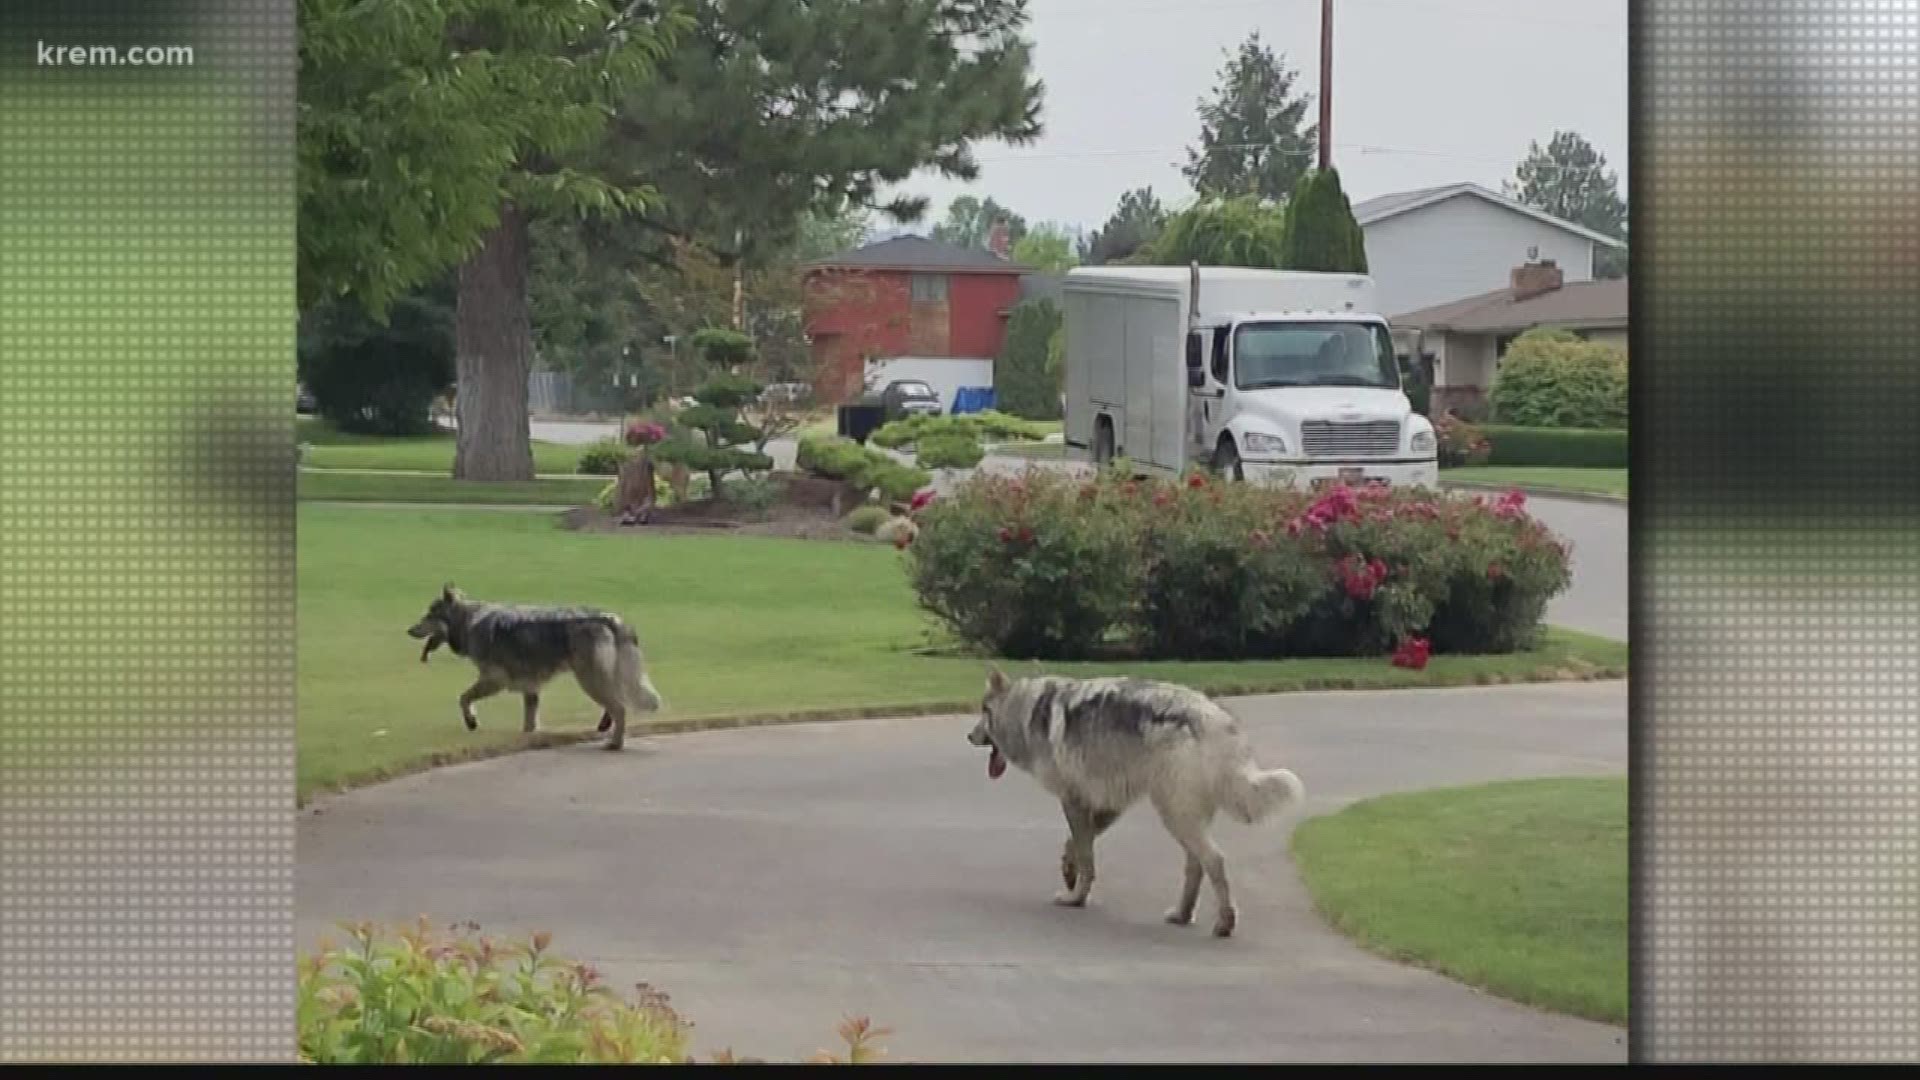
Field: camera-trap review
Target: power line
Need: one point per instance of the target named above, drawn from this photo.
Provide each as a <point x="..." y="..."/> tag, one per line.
<point x="1307" y="152"/>
<point x="1154" y="7"/>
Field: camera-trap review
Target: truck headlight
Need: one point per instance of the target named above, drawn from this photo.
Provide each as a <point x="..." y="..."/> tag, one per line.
<point x="1423" y="442"/>
<point x="1258" y="443"/>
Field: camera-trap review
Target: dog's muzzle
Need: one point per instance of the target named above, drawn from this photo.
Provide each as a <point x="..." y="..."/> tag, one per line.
<point x="978" y="736"/>
<point x="420" y="630"/>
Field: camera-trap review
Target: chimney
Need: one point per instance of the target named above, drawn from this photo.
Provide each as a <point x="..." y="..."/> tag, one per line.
<point x="997" y="240"/>
<point x="1536" y="279"/>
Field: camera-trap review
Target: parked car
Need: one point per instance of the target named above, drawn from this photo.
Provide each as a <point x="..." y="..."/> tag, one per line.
<point x="908" y="397"/>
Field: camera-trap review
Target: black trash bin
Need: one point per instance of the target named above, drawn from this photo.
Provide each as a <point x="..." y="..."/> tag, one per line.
<point x="856" y="422"/>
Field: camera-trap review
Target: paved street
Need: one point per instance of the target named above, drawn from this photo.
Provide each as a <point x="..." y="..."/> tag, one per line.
<point x="773" y="880"/>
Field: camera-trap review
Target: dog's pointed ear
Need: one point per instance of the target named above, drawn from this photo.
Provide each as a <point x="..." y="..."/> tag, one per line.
<point x="449" y="593"/>
<point x="996" y="679"/>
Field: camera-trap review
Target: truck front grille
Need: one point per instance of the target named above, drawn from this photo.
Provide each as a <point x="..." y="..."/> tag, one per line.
<point x="1366" y="439"/>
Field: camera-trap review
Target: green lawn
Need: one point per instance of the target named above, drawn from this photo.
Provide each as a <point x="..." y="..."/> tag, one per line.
<point x="1518" y="888"/>
<point x="426" y="453"/>
<point x="408" y="487"/>
<point x="1590" y="481"/>
<point x="732" y="626"/>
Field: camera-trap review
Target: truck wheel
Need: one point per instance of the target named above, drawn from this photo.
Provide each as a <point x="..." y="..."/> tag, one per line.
<point x="1226" y="461"/>
<point x="1102" y="444"/>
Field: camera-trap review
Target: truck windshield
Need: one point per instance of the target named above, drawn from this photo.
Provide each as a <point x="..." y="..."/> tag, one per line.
<point x="1314" y="354"/>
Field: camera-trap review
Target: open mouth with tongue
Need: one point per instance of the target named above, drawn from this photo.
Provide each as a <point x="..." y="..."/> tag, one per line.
<point x="996" y="762"/>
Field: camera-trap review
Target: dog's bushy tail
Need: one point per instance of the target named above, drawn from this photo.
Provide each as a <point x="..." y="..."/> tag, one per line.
<point x="1255" y="793"/>
<point x="633" y="676"/>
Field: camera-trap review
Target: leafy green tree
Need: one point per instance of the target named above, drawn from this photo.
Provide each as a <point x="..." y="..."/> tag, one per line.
<point x="1569" y="179"/>
<point x="1254" y="138"/>
<point x="970" y="221"/>
<point x="1134" y="224"/>
<point x="1243" y="231"/>
<point x="378" y="377"/>
<point x="1046" y="248"/>
<point x="1321" y="231"/>
<point x="429" y="132"/>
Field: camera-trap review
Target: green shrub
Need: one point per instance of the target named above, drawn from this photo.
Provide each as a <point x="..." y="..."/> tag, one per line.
<point x="426" y="998"/>
<point x="1551" y="378"/>
<point x="1022" y="567"/>
<point x="1216" y="576"/>
<point x="1023" y="386"/>
<point x="604" y="458"/>
<point x="865" y="520"/>
<point x="1556" y="447"/>
<point x="372" y="379"/>
<point x="421" y="997"/>
<point x="988" y="426"/>
<point x="833" y="457"/>
<point x="1048" y="567"/>
<point x="755" y="494"/>
<point x="949" y="450"/>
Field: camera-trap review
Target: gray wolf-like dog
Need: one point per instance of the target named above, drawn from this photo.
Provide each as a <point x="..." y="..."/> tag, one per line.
<point x="523" y="648"/>
<point x="1100" y="745"/>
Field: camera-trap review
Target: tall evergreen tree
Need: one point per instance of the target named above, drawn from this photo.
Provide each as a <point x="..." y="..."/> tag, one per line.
<point x="1254" y="138"/>
<point x="1135" y="223"/>
<point x="1569" y="179"/>
<point x="1322" y="233"/>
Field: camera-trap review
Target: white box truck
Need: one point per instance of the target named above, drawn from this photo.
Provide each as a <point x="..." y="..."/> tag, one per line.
<point x="1271" y="376"/>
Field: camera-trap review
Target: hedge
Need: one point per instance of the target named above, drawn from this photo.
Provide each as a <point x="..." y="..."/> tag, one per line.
<point x="1557" y="447"/>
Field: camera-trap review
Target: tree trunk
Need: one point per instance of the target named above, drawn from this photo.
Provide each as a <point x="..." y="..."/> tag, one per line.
<point x="493" y="340"/>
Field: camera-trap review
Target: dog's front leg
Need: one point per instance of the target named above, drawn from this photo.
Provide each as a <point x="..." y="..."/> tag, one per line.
<point x="530" y="717"/>
<point x="479" y="691"/>
<point x="1084" y="826"/>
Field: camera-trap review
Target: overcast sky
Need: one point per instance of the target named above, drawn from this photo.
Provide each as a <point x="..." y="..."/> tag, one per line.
<point x="1426" y="92"/>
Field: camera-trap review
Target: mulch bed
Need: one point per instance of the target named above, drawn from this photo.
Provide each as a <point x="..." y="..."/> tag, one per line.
<point x="806" y="510"/>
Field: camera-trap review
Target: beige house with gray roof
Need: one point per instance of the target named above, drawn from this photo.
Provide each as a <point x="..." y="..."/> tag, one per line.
<point x="1461" y="342"/>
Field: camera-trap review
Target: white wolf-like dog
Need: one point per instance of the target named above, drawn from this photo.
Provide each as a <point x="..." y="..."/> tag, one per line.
<point x="1101" y="745"/>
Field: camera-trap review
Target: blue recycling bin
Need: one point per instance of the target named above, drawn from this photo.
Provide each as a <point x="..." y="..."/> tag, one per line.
<point x="972" y="399"/>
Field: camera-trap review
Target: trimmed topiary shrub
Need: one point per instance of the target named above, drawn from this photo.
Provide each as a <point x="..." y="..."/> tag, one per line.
<point x="1556" y="447"/>
<point x="865" y="519"/>
<point x="832" y="457"/>
<point x="604" y="458"/>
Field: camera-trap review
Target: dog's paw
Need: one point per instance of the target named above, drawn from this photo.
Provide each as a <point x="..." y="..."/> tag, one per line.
<point x="472" y="724"/>
<point x="1069" y="898"/>
<point x="1224" y="924"/>
<point x="1177" y="917"/>
<point x="1069" y="874"/>
<point x="611" y="744"/>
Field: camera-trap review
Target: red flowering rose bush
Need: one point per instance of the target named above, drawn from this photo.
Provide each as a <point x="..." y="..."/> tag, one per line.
<point x="1023" y="567"/>
<point x="1218" y="575"/>
<point x="1056" y="567"/>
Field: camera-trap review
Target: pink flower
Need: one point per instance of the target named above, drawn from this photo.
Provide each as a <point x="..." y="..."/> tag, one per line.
<point x="920" y="500"/>
<point x="644" y="433"/>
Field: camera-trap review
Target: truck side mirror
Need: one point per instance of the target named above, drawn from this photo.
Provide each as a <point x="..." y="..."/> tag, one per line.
<point x="1196" y="377"/>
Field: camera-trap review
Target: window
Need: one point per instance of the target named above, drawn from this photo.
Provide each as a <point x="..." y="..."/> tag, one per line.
<point x="929" y="288"/>
<point x="1315" y="354"/>
<point x="1220" y="355"/>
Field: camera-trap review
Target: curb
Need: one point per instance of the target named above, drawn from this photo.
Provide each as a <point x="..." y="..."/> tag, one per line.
<point x="1535" y="492"/>
<point x="548" y="740"/>
<point x="323" y="470"/>
<point x="505" y="508"/>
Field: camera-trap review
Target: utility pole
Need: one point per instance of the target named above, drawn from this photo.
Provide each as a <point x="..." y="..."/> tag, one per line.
<point x="1326" y="84"/>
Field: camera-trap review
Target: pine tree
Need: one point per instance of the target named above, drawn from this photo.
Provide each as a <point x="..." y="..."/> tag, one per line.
<point x="1570" y="180"/>
<point x="1254" y="139"/>
<point x="1134" y="224"/>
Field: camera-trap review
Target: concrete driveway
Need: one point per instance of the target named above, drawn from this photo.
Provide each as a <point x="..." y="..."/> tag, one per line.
<point x="774" y="880"/>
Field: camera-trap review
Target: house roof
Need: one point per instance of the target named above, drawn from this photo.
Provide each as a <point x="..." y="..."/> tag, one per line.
<point x="920" y="253"/>
<point x="1368" y="211"/>
<point x="1577" y="305"/>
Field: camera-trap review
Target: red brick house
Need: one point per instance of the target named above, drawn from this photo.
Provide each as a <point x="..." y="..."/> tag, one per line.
<point x="908" y="296"/>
